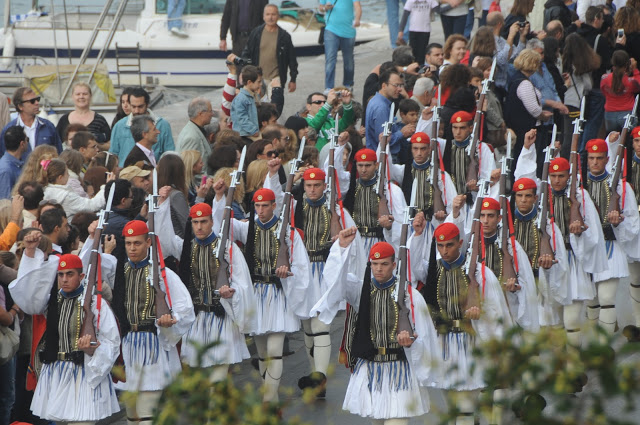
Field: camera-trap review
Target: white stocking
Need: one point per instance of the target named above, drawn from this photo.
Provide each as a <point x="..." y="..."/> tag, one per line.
<point x="499" y="398"/>
<point x="321" y="345"/>
<point x="607" y="299"/>
<point x="140" y="408"/>
<point x="571" y="318"/>
<point x="270" y="355"/>
<point x="634" y="290"/>
<point x="465" y="402"/>
<point x="219" y="373"/>
<point x="308" y="342"/>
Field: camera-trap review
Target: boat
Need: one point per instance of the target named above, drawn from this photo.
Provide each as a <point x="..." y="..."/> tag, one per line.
<point x="134" y="42"/>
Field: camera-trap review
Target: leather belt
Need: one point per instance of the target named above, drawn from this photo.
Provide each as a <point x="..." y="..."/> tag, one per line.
<point x="384" y="351"/>
<point x="142" y="328"/>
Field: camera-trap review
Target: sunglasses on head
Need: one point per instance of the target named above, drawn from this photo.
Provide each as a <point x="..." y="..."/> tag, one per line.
<point x="32" y="101"/>
<point x="272" y="153"/>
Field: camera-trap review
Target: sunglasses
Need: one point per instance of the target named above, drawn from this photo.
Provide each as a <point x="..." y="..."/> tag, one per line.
<point x="318" y="102"/>
<point x="272" y="153"/>
<point x="32" y="101"/>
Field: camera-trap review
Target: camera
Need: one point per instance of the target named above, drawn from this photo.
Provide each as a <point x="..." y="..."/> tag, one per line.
<point x="238" y="61"/>
<point x="523" y="24"/>
<point x="338" y="94"/>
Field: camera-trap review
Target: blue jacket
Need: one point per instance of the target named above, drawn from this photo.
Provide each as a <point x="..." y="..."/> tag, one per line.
<point x="377" y="114"/>
<point x="46" y="134"/>
<point x="244" y="114"/>
<point x="10" y="169"/>
<point x="122" y="139"/>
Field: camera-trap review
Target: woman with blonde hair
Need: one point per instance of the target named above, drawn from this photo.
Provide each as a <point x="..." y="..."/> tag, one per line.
<point x="31" y="168"/>
<point x="291" y="147"/>
<point x="54" y="177"/>
<point x="193" y="166"/>
<point x="238" y="196"/>
<point x="256" y="173"/>
<point x="523" y="107"/>
<point x="454" y="50"/>
<point x="74" y="161"/>
<point x="82" y="114"/>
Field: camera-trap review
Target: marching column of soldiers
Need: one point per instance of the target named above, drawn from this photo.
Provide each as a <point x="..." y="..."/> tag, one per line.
<point x="429" y="259"/>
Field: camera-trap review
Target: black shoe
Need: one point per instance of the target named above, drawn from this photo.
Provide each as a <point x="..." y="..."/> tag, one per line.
<point x="632" y="333"/>
<point x="534" y="404"/>
<point x="305" y="382"/>
<point x="319" y="380"/>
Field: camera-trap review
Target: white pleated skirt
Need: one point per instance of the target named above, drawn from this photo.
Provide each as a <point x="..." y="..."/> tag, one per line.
<point x="64" y="395"/>
<point x="581" y="286"/>
<point x="209" y="328"/>
<point x="617" y="261"/>
<point x="273" y="313"/>
<point x="385" y="390"/>
<point x="148" y="366"/>
<point x="460" y="371"/>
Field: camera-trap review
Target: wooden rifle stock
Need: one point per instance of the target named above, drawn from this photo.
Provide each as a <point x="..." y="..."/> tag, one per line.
<point x="283" y="251"/>
<point x="162" y="307"/>
<point x="508" y="270"/>
<point x="383" y="207"/>
<point x="404" y="323"/>
<point x="473" y="295"/>
<point x="222" y="277"/>
<point x="614" y="199"/>
<point x="436" y="174"/>
<point x="473" y="171"/>
<point x="335" y="226"/>
<point x="88" y="327"/>
<point x="543" y="210"/>
<point x="574" y="211"/>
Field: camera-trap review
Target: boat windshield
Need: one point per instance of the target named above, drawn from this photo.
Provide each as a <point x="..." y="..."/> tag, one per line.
<point x="194" y="7"/>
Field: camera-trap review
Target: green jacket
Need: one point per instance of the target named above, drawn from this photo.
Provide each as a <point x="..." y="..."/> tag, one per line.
<point x="323" y="123"/>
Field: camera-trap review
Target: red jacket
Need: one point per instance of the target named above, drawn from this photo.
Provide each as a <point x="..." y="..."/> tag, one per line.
<point x="620" y="102"/>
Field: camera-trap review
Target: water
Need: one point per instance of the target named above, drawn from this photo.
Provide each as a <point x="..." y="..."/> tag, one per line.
<point x="372" y="10"/>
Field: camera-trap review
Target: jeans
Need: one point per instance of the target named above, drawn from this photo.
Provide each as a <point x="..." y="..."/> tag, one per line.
<point x="7" y="390"/>
<point x="453" y="25"/>
<point x="614" y="121"/>
<point x="483" y="19"/>
<point x="333" y="43"/>
<point x="594" y="117"/>
<point x="393" y="21"/>
<point x="418" y="42"/>
<point x="468" y="25"/>
<point x="174" y="13"/>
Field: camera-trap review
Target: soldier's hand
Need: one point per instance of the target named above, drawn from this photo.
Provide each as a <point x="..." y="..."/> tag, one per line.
<point x="226" y="292"/>
<point x="166" y="321"/>
<point x="274" y="166"/>
<point x="84" y="344"/>
<point x="546" y="261"/>
<point x="347" y="236"/>
<point x="419" y="223"/>
<point x="31" y="241"/>
<point x="283" y="272"/>
<point x="512" y="285"/>
<point x="614" y="136"/>
<point x="472" y="313"/>
<point x="405" y="340"/>
<point x="440" y="215"/>
<point x="472" y="185"/>
<point x="17" y="205"/>
<point x="495" y="175"/>
<point x="530" y="138"/>
<point x="386" y="221"/>
<point x="427" y="113"/>
<point x="92" y="228"/>
<point x="163" y="194"/>
<point x="615" y="218"/>
<point x="576" y="228"/>
<point x="408" y="130"/>
<point x="458" y="203"/>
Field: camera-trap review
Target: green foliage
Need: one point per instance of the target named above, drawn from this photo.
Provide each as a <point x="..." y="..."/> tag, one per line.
<point x="535" y="368"/>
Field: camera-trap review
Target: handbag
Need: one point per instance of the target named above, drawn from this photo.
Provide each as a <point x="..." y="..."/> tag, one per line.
<point x="9" y="341"/>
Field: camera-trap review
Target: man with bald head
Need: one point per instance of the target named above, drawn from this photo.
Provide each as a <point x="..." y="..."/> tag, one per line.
<point x="193" y="136"/>
<point x="555" y="29"/>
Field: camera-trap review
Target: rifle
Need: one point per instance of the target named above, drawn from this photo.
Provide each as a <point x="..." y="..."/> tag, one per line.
<point x="474" y="250"/>
<point x="436" y="171"/>
<point x="92" y="276"/>
<point x="404" y="324"/>
<point x="285" y="216"/>
<point x="435" y="126"/>
<point x="224" y="242"/>
<point x="574" y="211"/>
<point x="543" y="203"/>
<point x="162" y="307"/>
<point x="335" y="226"/>
<point x="614" y="200"/>
<point x="472" y="150"/>
<point x="383" y="208"/>
<point x="508" y="270"/>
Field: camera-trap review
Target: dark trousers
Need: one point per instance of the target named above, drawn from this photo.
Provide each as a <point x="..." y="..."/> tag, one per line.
<point x="453" y="25"/>
<point x="239" y="41"/>
<point x="418" y="42"/>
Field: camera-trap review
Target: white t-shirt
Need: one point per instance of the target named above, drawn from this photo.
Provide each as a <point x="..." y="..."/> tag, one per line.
<point x="420" y="18"/>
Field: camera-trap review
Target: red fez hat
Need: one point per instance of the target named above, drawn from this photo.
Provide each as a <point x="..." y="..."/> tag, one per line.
<point x="635" y="132"/>
<point x="524" y="184"/>
<point x="558" y="164"/>
<point x="135" y="228"/>
<point x="381" y="250"/>
<point x="69" y="262"/>
<point x="420" y="137"/>
<point x="264" y="195"/>
<point x="366" y="155"/>
<point x="313" y="174"/>
<point x="490" y="204"/>
<point x="597" y="146"/>
<point x="461" y="116"/>
<point x="200" y="210"/>
<point x="446" y="231"/>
